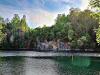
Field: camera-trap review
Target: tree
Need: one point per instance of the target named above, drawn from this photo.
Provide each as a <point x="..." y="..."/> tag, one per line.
<point x="23" y="24"/>
<point x="98" y="36"/>
<point x="15" y="22"/>
<point x="60" y="28"/>
<point x="1" y="29"/>
<point x="83" y="24"/>
<point x="96" y="4"/>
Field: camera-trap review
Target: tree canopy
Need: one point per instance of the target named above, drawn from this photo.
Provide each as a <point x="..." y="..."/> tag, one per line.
<point x="77" y="28"/>
<point x="96" y="4"/>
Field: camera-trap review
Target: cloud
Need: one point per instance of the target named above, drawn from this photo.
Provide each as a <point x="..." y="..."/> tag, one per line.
<point x="41" y="17"/>
<point x="40" y="12"/>
<point x="84" y="4"/>
<point x="36" y="17"/>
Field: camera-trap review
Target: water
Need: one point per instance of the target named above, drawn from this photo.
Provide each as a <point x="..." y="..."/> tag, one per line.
<point x="49" y="66"/>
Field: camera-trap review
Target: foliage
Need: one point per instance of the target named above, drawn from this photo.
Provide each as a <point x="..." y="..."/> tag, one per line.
<point x="98" y="32"/>
<point x="1" y="27"/>
<point x="24" y="26"/>
<point x="76" y="28"/>
<point x="96" y="4"/>
<point x="83" y="24"/>
<point x="98" y="36"/>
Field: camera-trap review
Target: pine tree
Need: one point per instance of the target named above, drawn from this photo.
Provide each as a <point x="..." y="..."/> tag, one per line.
<point x="23" y="24"/>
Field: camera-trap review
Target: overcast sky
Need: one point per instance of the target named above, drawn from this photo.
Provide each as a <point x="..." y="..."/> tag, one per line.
<point x="39" y="12"/>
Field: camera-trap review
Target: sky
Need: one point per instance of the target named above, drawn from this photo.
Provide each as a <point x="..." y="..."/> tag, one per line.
<point x="39" y="12"/>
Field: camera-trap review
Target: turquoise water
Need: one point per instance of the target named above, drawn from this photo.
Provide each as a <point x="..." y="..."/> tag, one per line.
<point x="79" y="66"/>
<point x="49" y="66"/>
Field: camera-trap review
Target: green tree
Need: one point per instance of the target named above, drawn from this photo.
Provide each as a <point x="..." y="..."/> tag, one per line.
<point x="83" y="24"/>
<point x="96" y="4"/>
<point x="61" y="27"/>
<point x="15" y="22"/>
<point x="1" y="29"/>
<point x="98" y="36"/>
<point x="23" y="24"/>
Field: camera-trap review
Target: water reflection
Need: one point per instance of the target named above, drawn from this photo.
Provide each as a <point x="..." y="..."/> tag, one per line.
<point x="40" y="67"/>
<point x="12" y="66"/>
<point x="27" y="66"/>
<point x="78" y="66"/>
<point x="81" y="61"/>
<point x="55" y="66"/>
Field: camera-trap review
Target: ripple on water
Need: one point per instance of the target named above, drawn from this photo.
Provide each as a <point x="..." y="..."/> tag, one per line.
<point x="35" y="66"/>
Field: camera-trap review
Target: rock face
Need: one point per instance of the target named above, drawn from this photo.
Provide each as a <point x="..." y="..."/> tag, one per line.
<point x="53" y="45"/>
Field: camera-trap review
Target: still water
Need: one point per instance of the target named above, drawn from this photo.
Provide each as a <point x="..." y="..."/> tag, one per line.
<point x="49" y="66"/>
